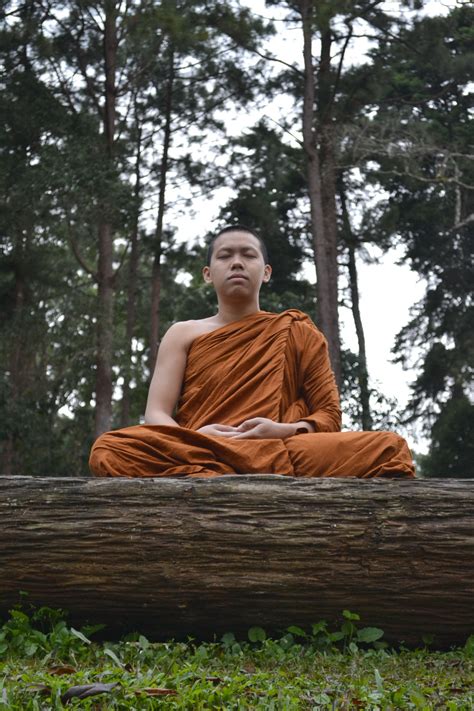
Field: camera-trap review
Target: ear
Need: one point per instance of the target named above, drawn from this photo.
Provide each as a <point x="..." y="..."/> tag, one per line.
<point x="267" y="273"/>
<point x="206" y="275"/>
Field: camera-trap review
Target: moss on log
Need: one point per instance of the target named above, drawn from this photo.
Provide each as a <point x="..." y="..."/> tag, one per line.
<point x="173" y="557"/>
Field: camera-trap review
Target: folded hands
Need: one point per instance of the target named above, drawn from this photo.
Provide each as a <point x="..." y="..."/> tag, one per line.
<point x="254" y="428"/>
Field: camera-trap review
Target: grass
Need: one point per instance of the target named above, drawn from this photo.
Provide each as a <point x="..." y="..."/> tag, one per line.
<point x="45" y="664"/>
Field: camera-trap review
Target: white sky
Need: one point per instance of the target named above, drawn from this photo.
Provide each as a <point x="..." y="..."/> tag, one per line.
<point x="387" y="289"/>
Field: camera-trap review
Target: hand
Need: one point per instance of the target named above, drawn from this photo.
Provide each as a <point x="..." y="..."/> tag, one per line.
<point x="263" y="428"/>
<point x="219" y="430"/>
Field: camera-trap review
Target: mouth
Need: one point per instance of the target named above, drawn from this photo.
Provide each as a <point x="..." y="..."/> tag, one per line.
<point x="237" y="276"/>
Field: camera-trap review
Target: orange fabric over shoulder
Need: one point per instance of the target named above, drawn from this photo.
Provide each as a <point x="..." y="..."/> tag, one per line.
<point x="265" y="365"/>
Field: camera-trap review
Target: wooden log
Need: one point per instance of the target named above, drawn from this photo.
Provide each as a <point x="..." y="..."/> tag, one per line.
<point x="178" y="557"/>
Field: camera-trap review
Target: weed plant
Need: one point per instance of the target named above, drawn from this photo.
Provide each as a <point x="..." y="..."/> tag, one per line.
<point x="45" y="664"/>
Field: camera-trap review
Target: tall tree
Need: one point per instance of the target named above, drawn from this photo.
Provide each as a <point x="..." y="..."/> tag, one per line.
<point x="417" y="146"/>
<point x="330" y="26"/>
<point x="33" y="124"/>
<point x="203" y="72"/>
<point x="351" y="244"/>
<point x="319" y="151"/>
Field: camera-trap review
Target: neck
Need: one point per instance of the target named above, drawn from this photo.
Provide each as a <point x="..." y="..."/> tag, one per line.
<point x="229" y="312"/>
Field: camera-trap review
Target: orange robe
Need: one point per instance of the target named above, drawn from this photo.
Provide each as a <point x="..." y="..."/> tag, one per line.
<point x="265" y="365"/>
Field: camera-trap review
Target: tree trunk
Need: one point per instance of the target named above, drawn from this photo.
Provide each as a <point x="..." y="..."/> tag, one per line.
<point x="156" y="272"/>
<point x="22" y="342"/>
<point x="105" y="272"/>
<point x="328" y="188"/>
<point x="132" y="287"/>
<point x="366" y="417"/>
<point x="326" y="268"/>
<point x="105" y="278"/>
<point x="177" y="557"/>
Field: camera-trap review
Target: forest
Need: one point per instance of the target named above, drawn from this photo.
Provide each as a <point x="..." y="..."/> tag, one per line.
<point x="119" y="116"/>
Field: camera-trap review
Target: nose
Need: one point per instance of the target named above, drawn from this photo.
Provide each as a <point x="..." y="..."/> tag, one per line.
<point x="236" y="262"/>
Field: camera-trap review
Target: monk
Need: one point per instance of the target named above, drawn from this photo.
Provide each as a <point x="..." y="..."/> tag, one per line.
<point x="245" y="391"/>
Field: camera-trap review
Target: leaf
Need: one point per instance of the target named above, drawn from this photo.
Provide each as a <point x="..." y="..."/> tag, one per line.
<point x="60" y="669"/>
<point x="80" y="636"/>
<point x="469" y="646"/>
<point x="88" y="630"/>
<point x="85" y="690"/>
<point x="350" y="615"/>
<point x="228" y="638"/>
<point x="257" y="634"/>
<point x="418" y="699"/>
<point x="336" y="636"/>
<point x="287" y="641"/>
<point x="157" y="692"/>
<point x="30" y="649"/>
<point x="369" y="634"/>
<point x="143" y="642"/>
<point x="42" y="689"/>
<point x="110" y="653"/>
<point x="297" y="631"/>
<point x="378" y="681"/>
<point x="348" y="629"/>
<point x="249" y="669"/>
<point x="321" y="698"/>
<point x="318" y="627"/>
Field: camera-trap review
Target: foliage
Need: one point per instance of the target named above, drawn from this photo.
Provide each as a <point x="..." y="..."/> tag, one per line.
<point x="401" y="134"/>
<point x="61" y="185"/>
<point x="411" y="138"/>
<point x="452" y="447"/>
<point x="299" y="670"/>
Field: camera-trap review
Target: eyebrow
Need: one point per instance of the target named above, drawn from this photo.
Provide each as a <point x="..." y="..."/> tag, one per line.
<point x="245" y="248"/>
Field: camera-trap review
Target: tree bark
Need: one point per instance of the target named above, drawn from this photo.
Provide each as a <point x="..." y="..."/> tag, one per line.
<point x="105" y="272"/>
<point x="325" y="253"/>
<point x="156" y="272"/>
<point x="174" y="557"/>
<point x="366" y="416"/>
<point x="328" y="185"/>
<point x="132" y="284"/>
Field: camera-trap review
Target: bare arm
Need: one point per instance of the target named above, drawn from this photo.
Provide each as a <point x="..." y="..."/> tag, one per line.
<point x="165" y="389"/>
<point x="167" y="381"/>
<point x="168" y="377"/>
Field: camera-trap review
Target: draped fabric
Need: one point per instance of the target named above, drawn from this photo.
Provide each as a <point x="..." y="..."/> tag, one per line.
<point x="264" y="365"/>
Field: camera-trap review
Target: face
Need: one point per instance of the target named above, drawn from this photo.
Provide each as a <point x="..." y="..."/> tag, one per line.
<point x="237" y="267"/>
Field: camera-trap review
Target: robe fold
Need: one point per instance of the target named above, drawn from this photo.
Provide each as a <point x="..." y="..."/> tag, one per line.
<point x="264" y="365"/>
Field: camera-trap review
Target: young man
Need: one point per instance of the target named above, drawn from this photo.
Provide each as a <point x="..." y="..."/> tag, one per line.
<point x="245" y="391"/>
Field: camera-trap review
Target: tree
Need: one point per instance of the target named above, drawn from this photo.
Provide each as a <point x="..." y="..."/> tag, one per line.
<point x="416" y="147"/>
<point x="265" y="174"/>
<point x="318" y="88"/>
<point x="35" y="265"/>
<point x="452" y="446"/>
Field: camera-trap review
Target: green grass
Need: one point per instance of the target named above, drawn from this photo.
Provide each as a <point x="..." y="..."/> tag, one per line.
<point x="41" y="657"/>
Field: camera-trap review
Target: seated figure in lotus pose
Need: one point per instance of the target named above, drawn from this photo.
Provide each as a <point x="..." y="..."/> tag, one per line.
<point x="245" y="391"/>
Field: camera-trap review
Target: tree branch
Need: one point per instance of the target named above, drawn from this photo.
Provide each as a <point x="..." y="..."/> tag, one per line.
<point x="463" y="223"/>
<point x="269" y="58"/>
<point x="75" y="250"/>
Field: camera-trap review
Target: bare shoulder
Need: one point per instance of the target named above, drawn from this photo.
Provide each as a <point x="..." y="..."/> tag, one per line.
<point x="182" y="333"/>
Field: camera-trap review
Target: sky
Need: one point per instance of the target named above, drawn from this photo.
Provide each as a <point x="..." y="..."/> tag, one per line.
<point x="387" y="289"/>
